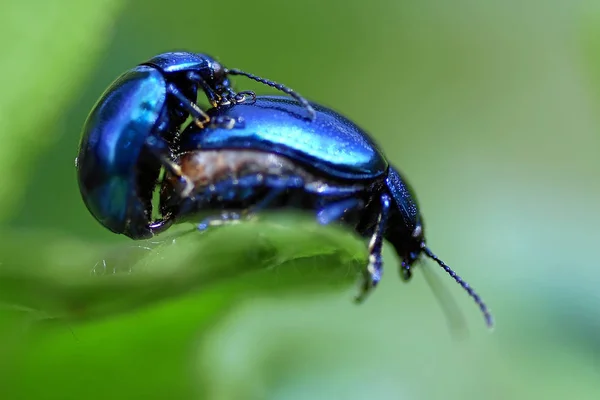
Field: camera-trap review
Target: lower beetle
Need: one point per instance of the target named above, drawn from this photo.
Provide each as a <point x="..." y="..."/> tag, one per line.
<point x="127" y="136"/>
<point x="278" y="159"/>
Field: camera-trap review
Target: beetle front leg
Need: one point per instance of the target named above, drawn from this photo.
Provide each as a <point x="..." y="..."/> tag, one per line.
<point x="200" y="117"/>
<point x="372" y="274"/>
<point x="213" y="97"/>
<point x="234" y="97"/>
<point x="160" y="149"/>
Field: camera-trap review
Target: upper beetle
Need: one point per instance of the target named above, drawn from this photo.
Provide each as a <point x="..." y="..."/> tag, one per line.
<point x="279" y="159"/>
<point x="127" y="136"/>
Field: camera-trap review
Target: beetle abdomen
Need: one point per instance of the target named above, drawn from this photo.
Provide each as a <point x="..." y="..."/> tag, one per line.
<point x="232" y="178"/>
<point x="207" y="167"/>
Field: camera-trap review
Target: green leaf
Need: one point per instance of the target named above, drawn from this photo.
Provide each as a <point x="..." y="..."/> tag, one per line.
<point x="65" y="277"/>
<point x="146" y="304"/>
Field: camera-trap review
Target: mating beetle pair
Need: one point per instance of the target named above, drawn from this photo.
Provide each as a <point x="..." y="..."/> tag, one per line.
<point x="128" y="135"/>
<point x="276" y="158"/>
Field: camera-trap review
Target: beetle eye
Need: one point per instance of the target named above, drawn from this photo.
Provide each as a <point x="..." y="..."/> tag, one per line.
<point x="218" y="72"/>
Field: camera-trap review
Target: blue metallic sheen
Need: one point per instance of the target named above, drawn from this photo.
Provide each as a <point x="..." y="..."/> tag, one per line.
<point x="129" y="134"/>
<point x="126" y="136"/>
<point x="185" y="61"/>
<point x="112" y="140"/>
<point x="404" y="198"/>
<point x="362" y="190"/>
<point x="331" y="144"/>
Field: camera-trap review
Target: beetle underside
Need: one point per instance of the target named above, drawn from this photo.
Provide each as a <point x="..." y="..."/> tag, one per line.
<point x="240" y="179"/>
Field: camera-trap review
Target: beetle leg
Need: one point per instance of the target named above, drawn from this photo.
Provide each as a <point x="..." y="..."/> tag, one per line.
<point x="232" y="217"/>
<point x="213" y="97"/>
<point x="233" y="97"/>
<point x="277" y="184"/>
<point x="160" y="149"/>
<point x="324" y="189"/>
<point x="242" y="97"/>
<point x="372" y="275"/>
<point x="228" y="96"/>
<point x="226" y="217"/>
<point x="161" y="225"/>
<point x="335" y="211"/>
<point x="196" y="112"/>
<point x="227" y="122"/>
<point x="224" y="122"/>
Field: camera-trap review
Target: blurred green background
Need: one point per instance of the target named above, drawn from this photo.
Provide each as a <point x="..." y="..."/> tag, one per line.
<point x="489" y="108"/>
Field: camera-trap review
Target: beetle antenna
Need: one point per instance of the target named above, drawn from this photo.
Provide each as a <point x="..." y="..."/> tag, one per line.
<point x="278" y="86"/>
<point x="489" y="320"/>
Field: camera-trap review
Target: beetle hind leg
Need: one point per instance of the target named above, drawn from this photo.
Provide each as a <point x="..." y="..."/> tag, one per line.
<point x="225" y="218"/>
<point x="372" y="274"/>
<point x="335" y="211"/>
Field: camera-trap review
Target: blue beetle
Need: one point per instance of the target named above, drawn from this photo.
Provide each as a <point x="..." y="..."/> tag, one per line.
<point x="279" y="159"/>
<point x="127" y="136"/>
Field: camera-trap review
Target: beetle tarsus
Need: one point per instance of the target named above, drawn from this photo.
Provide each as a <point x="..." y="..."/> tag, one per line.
<point x="225" y="218"/>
